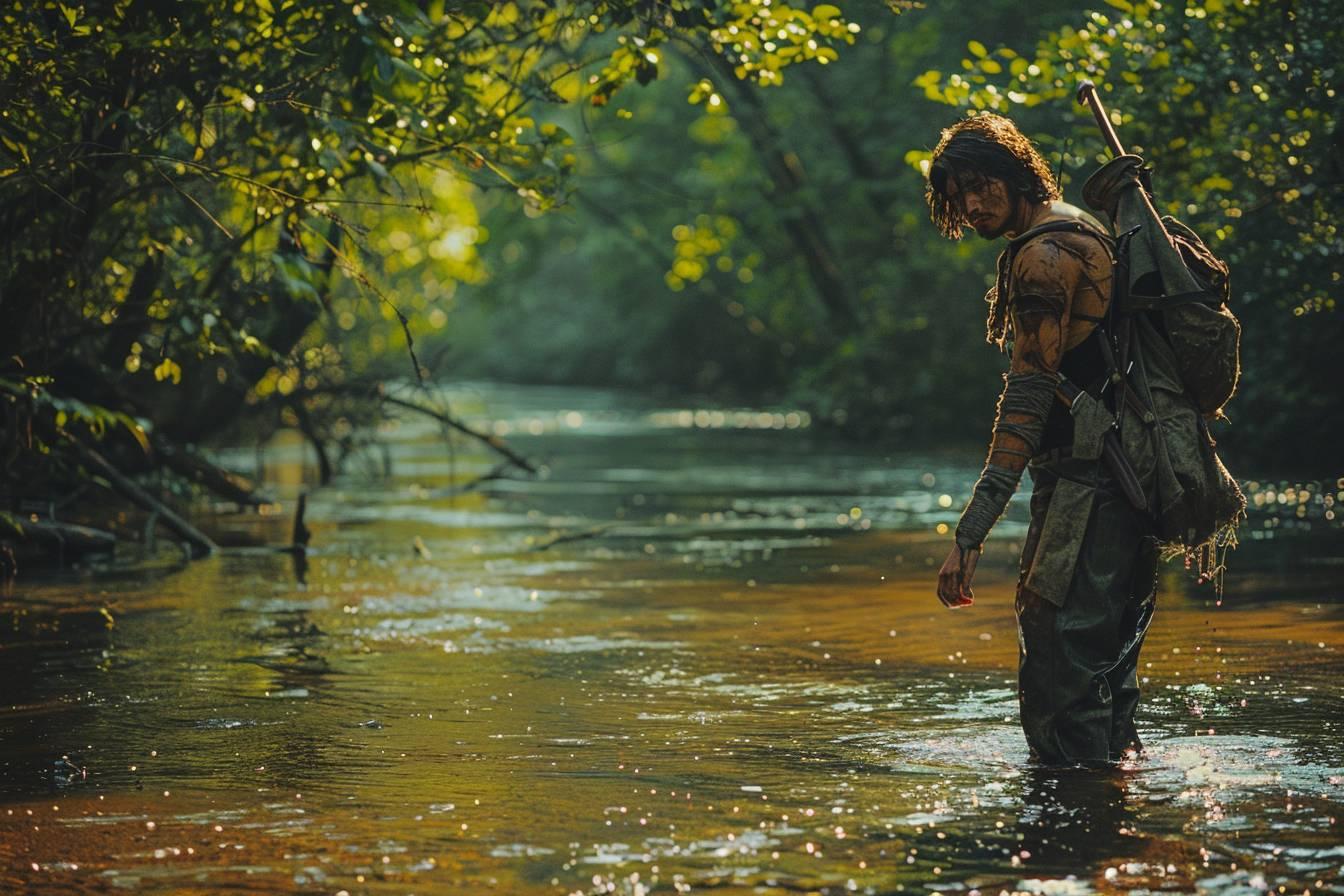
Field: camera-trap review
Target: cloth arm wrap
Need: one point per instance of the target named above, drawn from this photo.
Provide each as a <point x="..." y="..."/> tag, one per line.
<point x="995" y="486"/>
<point x="1026" y="399"/>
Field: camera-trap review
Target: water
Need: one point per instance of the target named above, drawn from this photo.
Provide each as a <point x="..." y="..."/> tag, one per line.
<point x="698" y="654"/>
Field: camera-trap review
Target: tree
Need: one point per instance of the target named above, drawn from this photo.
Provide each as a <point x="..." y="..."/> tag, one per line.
<point x="695" y="195"/>
<point x="188" y="188"/>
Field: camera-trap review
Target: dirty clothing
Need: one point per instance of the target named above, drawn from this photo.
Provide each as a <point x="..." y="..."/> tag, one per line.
<point x="1088" y="564"/>
<point x="1077" y="662"/>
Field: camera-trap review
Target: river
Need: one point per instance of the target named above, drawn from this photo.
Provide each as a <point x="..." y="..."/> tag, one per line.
<point x="700" y="652"/>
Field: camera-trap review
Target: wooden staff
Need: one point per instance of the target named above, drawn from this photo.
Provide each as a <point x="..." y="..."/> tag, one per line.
<point x="1087" y="96"/>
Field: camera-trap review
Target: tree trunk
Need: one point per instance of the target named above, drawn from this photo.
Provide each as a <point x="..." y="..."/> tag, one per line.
<point x="801" y="219"/>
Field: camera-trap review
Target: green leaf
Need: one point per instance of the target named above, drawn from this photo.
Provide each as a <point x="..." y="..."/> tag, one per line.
<point x="10" y="523"/>
<point x="918" y="159"/>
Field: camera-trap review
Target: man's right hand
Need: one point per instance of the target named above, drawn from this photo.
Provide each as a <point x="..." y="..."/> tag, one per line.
<point x="954" y="579"/>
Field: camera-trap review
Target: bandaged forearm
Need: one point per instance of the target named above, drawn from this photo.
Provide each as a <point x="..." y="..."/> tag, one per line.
<point x="1023" y="407"/>
<point x="1021" y="421"/>
<point x="992" y="491"/>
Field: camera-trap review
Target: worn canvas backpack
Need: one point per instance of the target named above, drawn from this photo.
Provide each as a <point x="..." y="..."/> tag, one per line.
<point x="1174" y="349"/>
<point x="1170" y="272"/>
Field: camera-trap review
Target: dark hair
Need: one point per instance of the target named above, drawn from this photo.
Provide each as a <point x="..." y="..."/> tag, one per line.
<point x="984" y="146"/>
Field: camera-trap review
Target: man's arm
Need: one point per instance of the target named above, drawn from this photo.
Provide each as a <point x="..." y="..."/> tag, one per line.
<point x="1028" y="390"/>
<point x="1043" y="286"/>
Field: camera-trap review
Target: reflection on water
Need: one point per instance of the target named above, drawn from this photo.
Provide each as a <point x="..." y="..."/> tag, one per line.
<point x="1072" y="818"/>
<point x="701" y="652"/>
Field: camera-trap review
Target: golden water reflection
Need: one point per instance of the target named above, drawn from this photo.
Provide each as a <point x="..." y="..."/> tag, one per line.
<point x="699" y="694"/>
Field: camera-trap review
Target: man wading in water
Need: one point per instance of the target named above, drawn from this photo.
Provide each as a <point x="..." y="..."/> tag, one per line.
<point x="1088" y="570"/>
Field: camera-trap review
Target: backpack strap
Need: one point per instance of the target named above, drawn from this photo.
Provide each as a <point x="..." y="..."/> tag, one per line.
<point x="1064" y="226"/>
<point x="1120" y="327"/>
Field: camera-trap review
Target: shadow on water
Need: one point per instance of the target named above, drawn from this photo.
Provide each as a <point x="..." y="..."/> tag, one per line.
<point x="700" y="653"/>
<point x="1073" y="818"/>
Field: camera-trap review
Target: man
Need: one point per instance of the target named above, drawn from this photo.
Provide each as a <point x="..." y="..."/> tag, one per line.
<point x="1088" y="570"/>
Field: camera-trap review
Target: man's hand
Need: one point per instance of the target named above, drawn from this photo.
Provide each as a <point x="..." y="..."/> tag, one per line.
<point x="954" y="579"/>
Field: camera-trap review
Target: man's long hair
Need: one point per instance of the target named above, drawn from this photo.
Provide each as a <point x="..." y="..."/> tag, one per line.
<point x="972" y="150"/>
<point x="985" y="146"/>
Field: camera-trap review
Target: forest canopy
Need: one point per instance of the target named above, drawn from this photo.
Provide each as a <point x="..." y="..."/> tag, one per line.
<point x="191" y="191"/>
<point x="260" y="213"/>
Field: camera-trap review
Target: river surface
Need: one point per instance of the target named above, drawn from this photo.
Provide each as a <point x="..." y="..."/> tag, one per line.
<point x="701" y="652"/>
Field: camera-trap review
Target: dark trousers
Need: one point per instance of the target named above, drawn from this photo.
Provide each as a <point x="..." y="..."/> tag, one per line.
<point x="1078" y="663"/>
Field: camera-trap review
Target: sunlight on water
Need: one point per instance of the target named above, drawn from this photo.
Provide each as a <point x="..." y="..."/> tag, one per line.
<point x="700" y="653"/>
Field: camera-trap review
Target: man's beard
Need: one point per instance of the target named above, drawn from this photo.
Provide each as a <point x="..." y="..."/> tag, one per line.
<point x="991" y="232"/>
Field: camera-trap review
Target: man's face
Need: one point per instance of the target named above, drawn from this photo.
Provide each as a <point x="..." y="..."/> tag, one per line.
<point x="985" y="203"/>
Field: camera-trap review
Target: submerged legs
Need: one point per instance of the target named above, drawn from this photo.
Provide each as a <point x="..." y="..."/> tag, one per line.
<point x="1078" y="663"/>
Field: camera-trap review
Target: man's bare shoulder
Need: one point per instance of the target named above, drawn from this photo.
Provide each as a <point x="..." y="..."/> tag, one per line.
<point x="1057" y="259"/>
<point x="1042" y="268"/>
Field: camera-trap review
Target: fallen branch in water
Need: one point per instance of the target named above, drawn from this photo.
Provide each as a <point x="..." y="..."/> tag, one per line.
<point x="492" y="441"/>
<point x="562" y="537"/>
<point x="200" y="543"/>
<point x="495" y="472"/>
<point x="300" y="534"/>
<point x="378" y="392"/>
<point x="66" y="540"/>
<point x="194" y="468"/>
<point x="298" y="540"/>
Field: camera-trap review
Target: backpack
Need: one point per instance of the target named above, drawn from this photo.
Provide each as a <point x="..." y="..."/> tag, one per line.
<point x="1204" y="334"/>
<point x="1163" y="267"/>
<point x="1174" y="359"/>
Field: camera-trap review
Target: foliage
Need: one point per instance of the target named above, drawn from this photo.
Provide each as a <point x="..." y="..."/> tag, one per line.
<point x="700" y="248"/>
<point x="224" y="211"/>
<point x="188" y="189"/>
